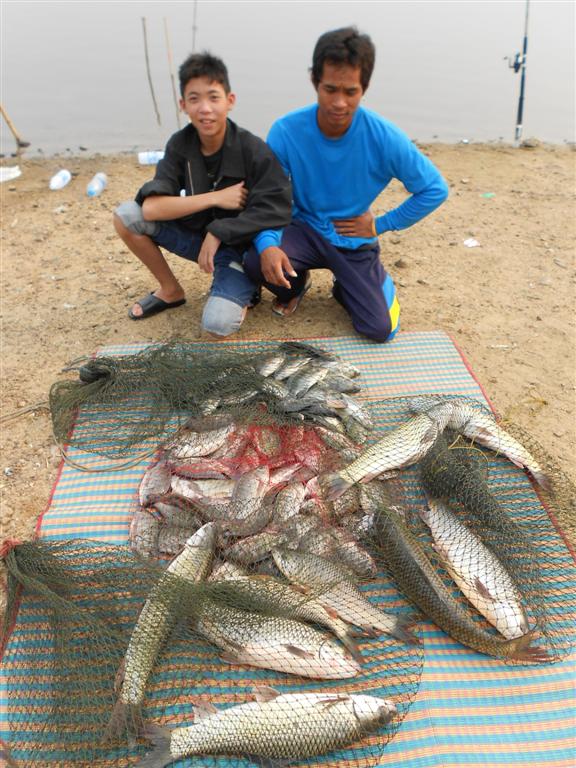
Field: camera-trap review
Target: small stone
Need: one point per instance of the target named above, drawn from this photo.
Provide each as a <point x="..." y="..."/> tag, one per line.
<point x="422" y="282"/>
<point x="401" y="263"/>
<point x="8" y="471"/>
<point x="464" y="181"/>
<point x="395" y="240"/>
<point x="531" y="143"/>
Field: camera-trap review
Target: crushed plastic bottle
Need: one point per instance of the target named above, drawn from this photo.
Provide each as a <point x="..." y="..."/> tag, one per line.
<point x="60" y="179"/>
<point x="97" y="185"/>
<point x="150" y="158"/>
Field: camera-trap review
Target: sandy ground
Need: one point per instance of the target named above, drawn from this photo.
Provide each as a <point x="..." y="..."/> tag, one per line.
<point x="67" y="282"/>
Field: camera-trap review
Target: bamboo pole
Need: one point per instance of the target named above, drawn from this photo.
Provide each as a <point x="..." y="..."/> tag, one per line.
<point x="171" y="70"/>
<point x="148" y="70"/>
<point x="20" y="143"/>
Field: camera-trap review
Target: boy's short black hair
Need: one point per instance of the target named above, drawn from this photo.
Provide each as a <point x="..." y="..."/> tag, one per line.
<point x="203" y="65"/>
<point x="344" y="46"/>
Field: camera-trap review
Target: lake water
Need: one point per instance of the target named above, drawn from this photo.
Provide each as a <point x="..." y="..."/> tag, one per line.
<point x="73" y="73"/>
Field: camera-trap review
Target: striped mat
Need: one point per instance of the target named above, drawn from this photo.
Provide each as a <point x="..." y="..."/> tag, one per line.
<point x="471" y="710"/>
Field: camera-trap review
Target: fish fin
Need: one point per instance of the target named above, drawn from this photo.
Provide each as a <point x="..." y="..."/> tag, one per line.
<point x="327" y="703"/>
<point x="125" y="721"/>
<point x="160" y="755"/>
<point x="265" y="693"/>
<point x="347" y="639"/>
<point x="295" y="651"/>
<point x="204" y="709"/>
<point x="424" y="514"/>
<point x="483" y="590"/>
<point x="522" y="650"/>
<point x="333" y="485"/>
<point x="403" y="630"/>
<point x="119" y="679"/>
<point x="231" y="658"/>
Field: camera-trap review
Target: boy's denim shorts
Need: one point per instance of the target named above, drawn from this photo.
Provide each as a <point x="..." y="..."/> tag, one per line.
<point x="229" y="280"/>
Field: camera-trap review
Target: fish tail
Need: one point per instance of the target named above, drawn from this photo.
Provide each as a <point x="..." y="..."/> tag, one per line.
<point x="160" y="755"/>
<point x="543" y="480"/>
<point x="347" y="638"/>
<point x="520" y="649"/>
<point x="125" y="720"/>
<point x="334" y="485"/>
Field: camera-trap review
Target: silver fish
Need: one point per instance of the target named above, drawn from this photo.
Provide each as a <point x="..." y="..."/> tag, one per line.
<point x="399" y="448"/>
<point x="357" y="412"/>
<point x="300" y="383"/>
<point x="334" y="587"/>
<point x="274" y="642"/>
<point x="155" y="483"/>
<point x="291" y="366"/>
<point x="268" y="363"/>
<point x="144" y="529"/>
<point x="200" y="437"/>
<point x="275" y="727"/>
<point x="479" y="425"/>
<point x="288" y="502"/>
<point x="270" y="596"/>
<point x="154" y="624"/>
<point x="477" y="571"/>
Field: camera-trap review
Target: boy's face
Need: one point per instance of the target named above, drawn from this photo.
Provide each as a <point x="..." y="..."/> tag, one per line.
<point x="339" y="94"/>
<point x="207" y="105"/>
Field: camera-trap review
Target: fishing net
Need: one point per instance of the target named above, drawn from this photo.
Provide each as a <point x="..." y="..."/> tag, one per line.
<point x="134" y="401"/>
<point x="108" y="645"/>
<point x="461" y="529"/>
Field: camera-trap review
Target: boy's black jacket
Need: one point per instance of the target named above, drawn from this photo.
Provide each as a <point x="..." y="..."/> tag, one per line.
<point x="246" y="158"/>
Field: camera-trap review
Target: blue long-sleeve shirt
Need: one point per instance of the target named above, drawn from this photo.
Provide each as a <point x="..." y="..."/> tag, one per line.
<point x="340" y="178"/>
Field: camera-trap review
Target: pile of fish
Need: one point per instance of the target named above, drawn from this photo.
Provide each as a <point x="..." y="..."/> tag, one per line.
<point x="495" y="570"/>
<point x="262" y="622"/>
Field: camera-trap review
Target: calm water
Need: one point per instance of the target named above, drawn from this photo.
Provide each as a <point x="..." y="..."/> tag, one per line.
<point x="73" y="73"/>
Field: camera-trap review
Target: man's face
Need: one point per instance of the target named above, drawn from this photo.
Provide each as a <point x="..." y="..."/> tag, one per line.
<point x="339" y="94"/>
<point x="207" y="105"/>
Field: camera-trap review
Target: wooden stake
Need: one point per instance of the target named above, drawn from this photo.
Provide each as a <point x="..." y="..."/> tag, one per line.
<point x="171" y="70"/>
<point x="20" y="143"/>
<point x="148" y="70"/>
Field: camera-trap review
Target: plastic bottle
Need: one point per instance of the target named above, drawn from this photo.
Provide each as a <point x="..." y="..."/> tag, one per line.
<point x="60" y="179"/>
<point x="97" y="185"/>
<point x="150" y="158"/>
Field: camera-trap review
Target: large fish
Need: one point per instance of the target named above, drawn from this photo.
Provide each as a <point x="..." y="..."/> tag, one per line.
<point x="155" y="483"/>
<point x="268" y="595"/>
<point x="274" y="729"/>
<point x="477" y="571"/>
<point x="455" y="473"/>
<point x="334" y="588"/>
<point x="479" y="425"/>
<point x="272" y="642"/>
<point x="419" y="581"/>
<point x="399" y="448"/>
<point x="155" y="622"/>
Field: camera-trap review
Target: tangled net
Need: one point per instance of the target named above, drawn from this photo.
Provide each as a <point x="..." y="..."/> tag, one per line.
<point x="88" y="610"/>
<point x="289" y="510"/>
<point x="131" y="401"/>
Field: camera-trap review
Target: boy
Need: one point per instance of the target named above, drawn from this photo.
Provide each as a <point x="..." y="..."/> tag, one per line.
<point x="340" y="156"/>
<point x="216" y="188"/>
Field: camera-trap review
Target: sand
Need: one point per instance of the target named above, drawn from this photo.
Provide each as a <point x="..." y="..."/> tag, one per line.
<point x="68" y="281"/>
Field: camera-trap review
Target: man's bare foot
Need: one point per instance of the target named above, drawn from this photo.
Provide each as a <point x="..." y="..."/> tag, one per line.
<point x="170" y="297"/>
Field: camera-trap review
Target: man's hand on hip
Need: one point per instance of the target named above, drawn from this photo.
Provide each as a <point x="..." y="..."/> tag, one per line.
<point x="274" y="264"/>
<point x="359" y="226"/>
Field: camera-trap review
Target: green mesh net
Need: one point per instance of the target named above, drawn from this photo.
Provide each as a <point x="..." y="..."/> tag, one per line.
<point x="238" y="669"/>
<point x="128" y="401"/>
<point x="287" y="510"/>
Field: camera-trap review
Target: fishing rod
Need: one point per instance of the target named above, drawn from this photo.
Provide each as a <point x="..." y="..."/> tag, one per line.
<point x="519" y="65"/>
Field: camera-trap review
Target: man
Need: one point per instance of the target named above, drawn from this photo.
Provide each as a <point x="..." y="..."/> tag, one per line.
<point x="216" y="188"/>
<point x="339" y="157"/>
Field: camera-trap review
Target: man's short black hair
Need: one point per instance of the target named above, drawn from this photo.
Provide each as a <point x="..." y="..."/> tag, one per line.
<point x="203" y="65"/>
<point x="344" y="46"/>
